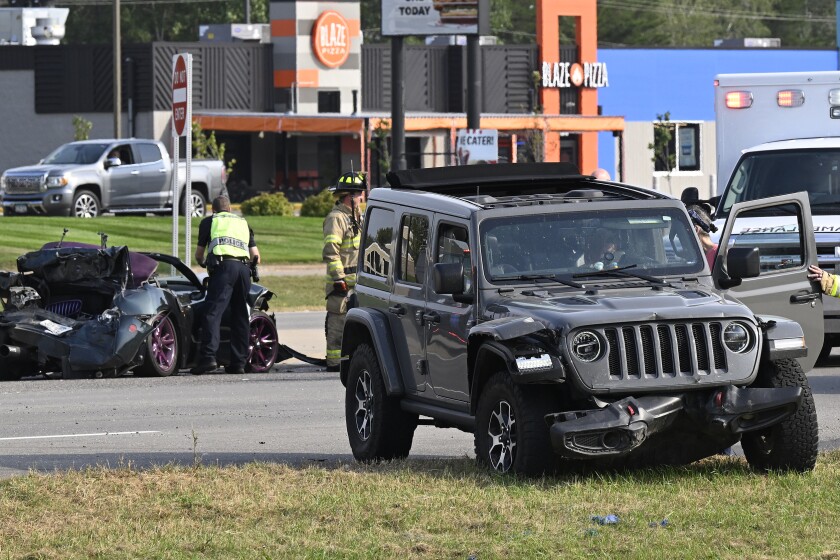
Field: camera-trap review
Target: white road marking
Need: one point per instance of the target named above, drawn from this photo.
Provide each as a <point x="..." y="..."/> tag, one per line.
<point x="80" y="435"/>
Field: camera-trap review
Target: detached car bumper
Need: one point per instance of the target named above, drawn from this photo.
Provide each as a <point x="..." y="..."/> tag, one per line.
<point x="622" y="426"/>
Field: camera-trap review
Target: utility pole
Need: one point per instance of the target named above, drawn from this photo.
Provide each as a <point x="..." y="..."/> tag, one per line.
<point x="117" y="72"/>
<point x="398" y="161"/>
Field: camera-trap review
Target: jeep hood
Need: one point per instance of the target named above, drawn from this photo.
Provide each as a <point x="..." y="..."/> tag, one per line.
<point x="609" y="307"/>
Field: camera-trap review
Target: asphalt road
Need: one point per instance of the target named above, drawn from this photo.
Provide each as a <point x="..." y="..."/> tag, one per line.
<point x="293" y="415"/>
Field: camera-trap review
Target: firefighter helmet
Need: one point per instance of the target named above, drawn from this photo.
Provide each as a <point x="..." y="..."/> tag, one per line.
<point x="350" y="182"/>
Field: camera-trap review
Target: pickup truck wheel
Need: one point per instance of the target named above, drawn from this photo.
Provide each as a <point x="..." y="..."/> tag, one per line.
<point x="790" y="445"/>
<point x="510" y="431"/>
<point x="198" y="205"/>
<point x="378" y="429"/>
<point x="86" y="205"/>
<point x="161" y="359"/>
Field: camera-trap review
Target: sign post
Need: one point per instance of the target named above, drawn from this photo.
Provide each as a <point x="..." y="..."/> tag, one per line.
<point x="182" y="126"/>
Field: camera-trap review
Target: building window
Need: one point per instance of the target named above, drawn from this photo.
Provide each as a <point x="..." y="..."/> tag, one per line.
<point x="676" y="147"/>
<point x="329" y="101"/>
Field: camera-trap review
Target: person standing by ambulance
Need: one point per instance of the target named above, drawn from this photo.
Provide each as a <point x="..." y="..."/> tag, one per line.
<point x="342" y="232"/>
<point x="229" y="244"/>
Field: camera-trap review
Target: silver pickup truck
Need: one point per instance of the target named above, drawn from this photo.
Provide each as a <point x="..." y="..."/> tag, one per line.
<point x="128" y="176"/>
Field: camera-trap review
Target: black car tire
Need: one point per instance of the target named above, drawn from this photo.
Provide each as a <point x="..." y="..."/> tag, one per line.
<point x="510" y="430"/>
<point x="85" y="205"/>
<point x="11" y="370"/>
<point x="263" y="343"/>
<point x="151" y="366"/>
<point x="378" y="429"/>
<point x="792" y="444"/>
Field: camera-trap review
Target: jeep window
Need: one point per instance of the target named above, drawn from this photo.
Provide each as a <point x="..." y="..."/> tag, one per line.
<point x="454" y="247"/>
<point x="766" y="174"/>
<point x="413" y="250"/>
<point x="779" y="242"/>
<point x="658" y="241"/>
<point x="376" y="249"/>
<point x="76" y="153"/>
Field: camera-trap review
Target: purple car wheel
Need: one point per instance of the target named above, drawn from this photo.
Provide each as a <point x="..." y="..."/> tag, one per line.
<point x="161" y="358"/>
<point x="262" y="343"/>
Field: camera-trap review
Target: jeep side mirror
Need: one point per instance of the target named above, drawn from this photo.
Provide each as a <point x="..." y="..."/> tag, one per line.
<point x="741" y="262"/>
<point x="448" y="278"/>
<point x="690" y="195"/>
<point x="112" y="162"/>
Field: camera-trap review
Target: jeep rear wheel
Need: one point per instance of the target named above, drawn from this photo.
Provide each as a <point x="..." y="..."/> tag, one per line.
<point x="792" y="444"/>
<point x="511" y="434"/>
<point x="378" y="429"/>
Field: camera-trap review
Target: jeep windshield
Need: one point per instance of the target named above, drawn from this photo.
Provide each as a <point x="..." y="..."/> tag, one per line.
<point x="657" y="241"/>
<point x="76" y="154"/>
<point x="765" y="174"/>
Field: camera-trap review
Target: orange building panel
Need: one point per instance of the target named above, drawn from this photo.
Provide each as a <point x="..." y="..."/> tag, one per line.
<point x="302" y="78"/>
<point x="283" y="28"/>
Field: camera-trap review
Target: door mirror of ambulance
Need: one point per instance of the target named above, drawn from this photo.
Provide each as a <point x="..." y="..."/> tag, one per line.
<point x="743" y="262"/>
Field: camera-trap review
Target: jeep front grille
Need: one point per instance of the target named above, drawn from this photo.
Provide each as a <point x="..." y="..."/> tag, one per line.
<point x="24" y="184"/>
<point x="664" y="350"/>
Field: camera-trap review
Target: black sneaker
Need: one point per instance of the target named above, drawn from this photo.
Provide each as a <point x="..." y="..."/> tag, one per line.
<point x="204" y="367"/>
<point x="238" y="370"/>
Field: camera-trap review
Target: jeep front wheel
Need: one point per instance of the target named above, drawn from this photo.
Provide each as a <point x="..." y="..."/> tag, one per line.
<point x="790" y="445"/>
<point x="510" y="433"/>
<point x="377" y="428"/>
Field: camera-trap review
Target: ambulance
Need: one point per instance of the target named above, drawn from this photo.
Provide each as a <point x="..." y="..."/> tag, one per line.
<point x="779" y="133"/>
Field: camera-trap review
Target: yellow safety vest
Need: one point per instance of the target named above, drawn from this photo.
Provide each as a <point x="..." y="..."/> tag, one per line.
<point x="229" y="235"/>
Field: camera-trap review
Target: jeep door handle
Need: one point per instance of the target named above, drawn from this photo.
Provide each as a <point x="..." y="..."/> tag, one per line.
<point x="431" y="317"/>
<point x="805" y="298"/>
<point x="397" y="309"/>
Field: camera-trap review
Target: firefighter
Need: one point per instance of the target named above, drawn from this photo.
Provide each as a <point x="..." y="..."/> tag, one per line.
<point x="342" y="231"/>
<point x="230" y="246"/>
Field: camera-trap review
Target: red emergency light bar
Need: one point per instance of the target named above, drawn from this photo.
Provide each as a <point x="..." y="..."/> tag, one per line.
<point x="739" y="99"/>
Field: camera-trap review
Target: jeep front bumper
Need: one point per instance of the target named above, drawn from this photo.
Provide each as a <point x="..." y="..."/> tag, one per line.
<point x="622" y="426"/>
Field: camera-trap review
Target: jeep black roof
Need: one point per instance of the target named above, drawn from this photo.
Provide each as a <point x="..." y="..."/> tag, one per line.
<point x="512" y="183"/>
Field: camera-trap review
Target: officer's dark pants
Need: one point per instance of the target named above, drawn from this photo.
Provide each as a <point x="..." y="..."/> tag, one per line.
<point x="229" y="285"/>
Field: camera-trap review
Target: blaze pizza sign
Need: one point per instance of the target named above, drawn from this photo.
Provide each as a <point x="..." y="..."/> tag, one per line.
<point x="568" y="74"/>
<point x="331" y="39"/>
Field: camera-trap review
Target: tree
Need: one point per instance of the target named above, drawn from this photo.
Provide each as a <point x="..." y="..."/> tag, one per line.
<point x="156" y="21"/>
<point x="81" y="128"/>
<point x="664" y="153"/>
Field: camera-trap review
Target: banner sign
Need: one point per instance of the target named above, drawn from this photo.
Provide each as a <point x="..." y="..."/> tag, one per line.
<point x="435" y="17"/>
<point x="479" y="145"/>
<point x="568" y="74"/>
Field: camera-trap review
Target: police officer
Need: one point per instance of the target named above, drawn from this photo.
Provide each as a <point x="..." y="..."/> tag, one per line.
<point x="342" y="228"/>
<point x="229" y="243"/>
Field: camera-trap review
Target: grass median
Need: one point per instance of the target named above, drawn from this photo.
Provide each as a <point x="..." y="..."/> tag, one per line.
<point x="421" y="509"/>
<point x="282" y="240"/>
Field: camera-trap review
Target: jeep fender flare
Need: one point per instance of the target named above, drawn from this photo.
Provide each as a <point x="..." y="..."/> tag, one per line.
<point x="365" y="325"/>
<point x="490" y="357"/>
<point x="776" y="328"/>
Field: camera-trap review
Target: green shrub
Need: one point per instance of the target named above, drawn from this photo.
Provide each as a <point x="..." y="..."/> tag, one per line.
<point x="267" y="204"/>
<point x="319" y="205"/>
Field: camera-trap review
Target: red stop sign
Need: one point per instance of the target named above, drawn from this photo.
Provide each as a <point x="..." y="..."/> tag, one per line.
<point x="179" y="95"/>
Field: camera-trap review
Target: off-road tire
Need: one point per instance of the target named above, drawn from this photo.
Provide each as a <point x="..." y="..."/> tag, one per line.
<point x="524" y="446"/>
<point x="792" y="444"/>
<point x="378" y="429"/>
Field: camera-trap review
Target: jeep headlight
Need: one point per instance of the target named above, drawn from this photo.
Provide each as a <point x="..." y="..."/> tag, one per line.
<point x="586" y="346"/>
<point x="737" y="337"/>
<point x="57" y="181"/>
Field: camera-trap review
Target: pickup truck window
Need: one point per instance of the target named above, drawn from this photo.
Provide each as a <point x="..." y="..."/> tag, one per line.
<point x="76" y="153"/>
<point x="149" y="153"/>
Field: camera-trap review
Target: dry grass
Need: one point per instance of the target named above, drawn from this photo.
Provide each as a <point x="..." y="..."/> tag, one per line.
<point x="420" y="509"/>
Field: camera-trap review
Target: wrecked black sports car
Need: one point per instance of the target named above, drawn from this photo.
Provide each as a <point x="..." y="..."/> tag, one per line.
<point x="82" y="310"/>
